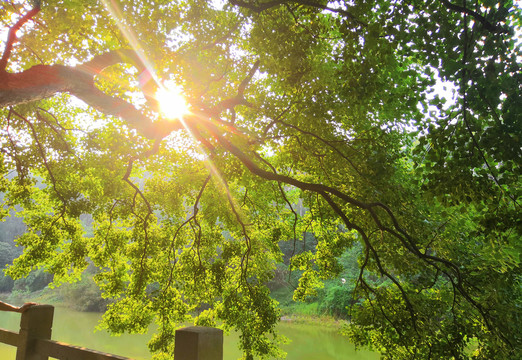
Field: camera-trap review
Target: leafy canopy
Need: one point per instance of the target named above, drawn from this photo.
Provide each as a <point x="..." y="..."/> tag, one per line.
<point x="305" y="117"/>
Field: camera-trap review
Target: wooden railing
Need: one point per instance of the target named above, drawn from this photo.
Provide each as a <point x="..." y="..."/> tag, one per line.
<point x="33" y="341"/>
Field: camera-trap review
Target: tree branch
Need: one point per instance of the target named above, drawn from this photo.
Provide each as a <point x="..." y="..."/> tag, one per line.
<point x="453" y="274"/>
<point x="102" y="61"/>
<point x="487" y="25"/>
<point x="329" y="144"/>
<point x="267" y="5"/>
<point x="11" y="37"/>
<point x="44" y="81"/>
<point x="257" y="8"/>
<point x="345" y="13"/>
<point x="239" y="99"/>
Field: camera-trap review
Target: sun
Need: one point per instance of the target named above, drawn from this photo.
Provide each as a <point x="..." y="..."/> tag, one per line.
<point x="172" y="103"/>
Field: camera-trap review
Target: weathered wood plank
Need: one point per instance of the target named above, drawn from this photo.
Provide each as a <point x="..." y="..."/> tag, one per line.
<point x="199" y="343"/>
<point x="64" y="351"/>
<point x="9" y="337"/>
<point x="36" y="323"/>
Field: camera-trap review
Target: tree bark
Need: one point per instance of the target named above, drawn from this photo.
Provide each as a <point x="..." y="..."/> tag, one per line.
<point x="44" y="81"/>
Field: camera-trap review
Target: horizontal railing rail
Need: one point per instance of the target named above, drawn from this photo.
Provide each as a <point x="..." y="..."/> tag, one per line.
<point x="8" y="337"/>
<point x="59" y="350"/>
<point x="33" y="341"/>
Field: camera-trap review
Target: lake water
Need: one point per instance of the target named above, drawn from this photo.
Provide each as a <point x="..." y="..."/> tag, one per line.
<point x="77" y="328"/>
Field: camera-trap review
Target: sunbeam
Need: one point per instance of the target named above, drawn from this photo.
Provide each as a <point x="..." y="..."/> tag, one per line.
<point x="170" y="99"/>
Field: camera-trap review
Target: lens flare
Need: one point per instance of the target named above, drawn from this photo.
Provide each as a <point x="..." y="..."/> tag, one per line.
<point x="172" y="103"/>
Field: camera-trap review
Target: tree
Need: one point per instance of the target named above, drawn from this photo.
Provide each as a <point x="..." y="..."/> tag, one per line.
<point x="326" y="103"/>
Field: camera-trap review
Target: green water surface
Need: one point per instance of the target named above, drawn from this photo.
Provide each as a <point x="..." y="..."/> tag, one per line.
<point x="77" y="328"/>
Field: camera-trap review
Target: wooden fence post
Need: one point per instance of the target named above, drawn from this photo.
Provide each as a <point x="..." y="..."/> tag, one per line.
<point x="198" y="343"/>
<point x="36" y="323"/>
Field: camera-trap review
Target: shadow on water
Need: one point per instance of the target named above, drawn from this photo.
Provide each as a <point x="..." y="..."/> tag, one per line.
<point x="77" y="328"/>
